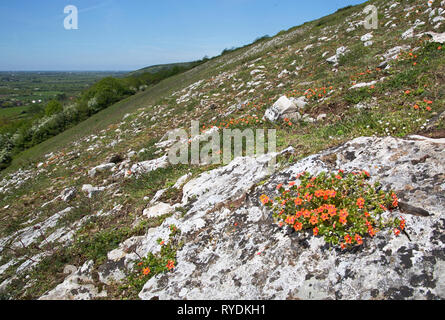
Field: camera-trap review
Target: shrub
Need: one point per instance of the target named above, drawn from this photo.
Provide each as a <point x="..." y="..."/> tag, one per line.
<point x="344" y="209"/>
<point x="154" y="264"/>
<point x="53" y="107"/>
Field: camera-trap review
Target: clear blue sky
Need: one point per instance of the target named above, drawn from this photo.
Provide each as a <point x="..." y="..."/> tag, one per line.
<point x="131" y="34"/>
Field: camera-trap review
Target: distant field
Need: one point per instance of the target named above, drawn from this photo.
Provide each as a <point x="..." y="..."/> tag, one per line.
<point x="22" y="88"/>
<point x="13" y="112"/>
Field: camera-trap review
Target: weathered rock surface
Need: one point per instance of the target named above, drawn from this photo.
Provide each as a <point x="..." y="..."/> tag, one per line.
<point x="78" y="286"/>
<point x="283" y="108"/>
<point x="237" y="252"/>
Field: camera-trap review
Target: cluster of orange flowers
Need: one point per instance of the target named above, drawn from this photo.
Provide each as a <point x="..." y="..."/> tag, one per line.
<point x="323" y="204"/>
<point x="359" y="75"/>
<point x="311" y="93"/>
<point x="426" y="104"/>
<point x="407" y="56"/>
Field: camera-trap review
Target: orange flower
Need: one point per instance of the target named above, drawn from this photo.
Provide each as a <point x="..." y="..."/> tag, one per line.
<point x="348" y="239"/>
<point x="146" y="271"/>
<point x="298" y="201"/>
<point x="397" y="232"/>
<point x="395" y="202"/>
<point x="358" y="239"/>
<point x="315" y="230"/>
<point x="360" y="203"/>
<point x="314" y="220"/>
<point x="402" y="224"/>
<point x="170" y="265"/>
<point x="264" y="199"/>
<point x="298" y="226"/>
<point x="279" y="186"/>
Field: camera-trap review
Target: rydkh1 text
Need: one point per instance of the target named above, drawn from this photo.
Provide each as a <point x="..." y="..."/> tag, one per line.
<point x="235" y="309"/>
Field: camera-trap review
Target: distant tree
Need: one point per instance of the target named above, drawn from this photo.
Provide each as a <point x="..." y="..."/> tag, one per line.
<point x="35" y="109"/>
<point x="61" y="97"/>
<point x="53" y="107"/>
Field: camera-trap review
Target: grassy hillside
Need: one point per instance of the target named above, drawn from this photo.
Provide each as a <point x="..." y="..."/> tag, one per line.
<point x="159" y="67"/>
<point x="357" y="96"/>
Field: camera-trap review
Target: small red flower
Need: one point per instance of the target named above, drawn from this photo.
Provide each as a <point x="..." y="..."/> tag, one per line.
<point x="315" y="231"/>
<point x="360" y="202"/>
<point x="146" y="271"/>
<point x="170" y="265"/>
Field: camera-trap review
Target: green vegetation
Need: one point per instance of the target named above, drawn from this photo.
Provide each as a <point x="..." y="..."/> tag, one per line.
<point x="342" y="208"/>
<point x="16" y="136"/>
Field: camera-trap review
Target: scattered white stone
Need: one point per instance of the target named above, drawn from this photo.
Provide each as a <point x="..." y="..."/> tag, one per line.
<point x="283" y="108"/>
<point x="92" y="191"/>
<point x="158" y="210"/>
<point x="437" y="37"/>
<point x="68" y="194"/>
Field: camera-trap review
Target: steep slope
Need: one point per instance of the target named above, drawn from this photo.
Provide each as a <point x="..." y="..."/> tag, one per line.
<point x="88" y="211"/>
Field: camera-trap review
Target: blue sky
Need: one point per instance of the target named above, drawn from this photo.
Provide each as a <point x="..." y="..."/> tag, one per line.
<point x="131" y="34"/>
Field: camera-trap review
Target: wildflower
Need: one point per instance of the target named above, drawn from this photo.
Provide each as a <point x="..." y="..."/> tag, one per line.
<point x="306" y="214"/>
<point x="342" y="220"/>
<point x="279" y="186"/>
<point x="402" y="224"/>
<point x="407" y="91"/>
<point x="308" y="197"/>
<point x="332" y="193"/>
<point x="264" y="199"/>
<point x="344" y="213"/>
<point x="397" y="232"/>
<point x="439" y="48"/>
<point x="428" y="108"/>
<point x="348" y="239"/>
<point x="371" y="232"/>
<point x="290" y="220"/>
<point x="140" y="263"/>
<point x="395" y="201"/>
<point x="360" y="203"/>
<point x="298" y="226"/>
<point x="162" y="243"/>
<point x="315" y="230"/>
<point x="314" y="220"/>
<point x="146" y="271"/>
<point x="358" y="239"/>
<point x="298" y="201"/>
<point x="170" y="265"/>
<point x="343" y="246"/>
<point x="292" y="183"/>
